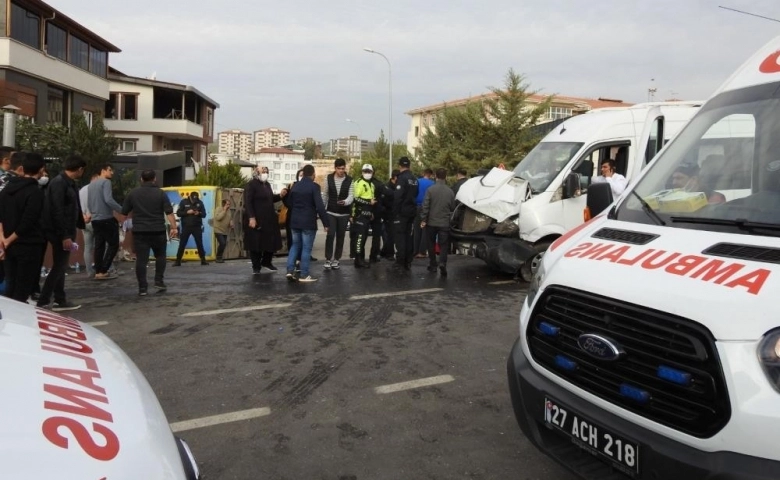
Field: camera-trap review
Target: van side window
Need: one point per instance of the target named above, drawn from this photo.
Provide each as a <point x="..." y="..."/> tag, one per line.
<point x="596" y="156"/>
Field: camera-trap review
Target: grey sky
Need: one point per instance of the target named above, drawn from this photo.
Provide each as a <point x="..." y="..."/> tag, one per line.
<point x="299" y="64"/>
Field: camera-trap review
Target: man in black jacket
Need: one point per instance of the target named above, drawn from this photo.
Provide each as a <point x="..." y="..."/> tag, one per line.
<point x="192" y="212"/>
<point x="61" y="217"/>
<point x="404" y="211"/>
<point x="21" y="236"/>
<point x="149" y="206"/>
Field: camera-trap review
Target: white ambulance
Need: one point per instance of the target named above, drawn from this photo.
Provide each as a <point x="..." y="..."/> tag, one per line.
<point x="508" y="218"/>
<point x="74" y="406"/>
<point x="650" y="338"/>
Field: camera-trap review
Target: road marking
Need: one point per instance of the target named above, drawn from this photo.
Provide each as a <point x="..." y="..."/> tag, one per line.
<point x="395" y="294"/>
<point x="423" y="382"/>
<point x="502" y="282"/>
<point x="238" y="309"/>
<point x="97" y="324"/>
<point x="220" y="419"/>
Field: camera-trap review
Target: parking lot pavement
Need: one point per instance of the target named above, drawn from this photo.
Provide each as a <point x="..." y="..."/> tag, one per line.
<point x="365" y="374"/>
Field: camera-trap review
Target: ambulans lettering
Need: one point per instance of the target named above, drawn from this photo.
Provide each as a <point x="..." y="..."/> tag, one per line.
<point x="74" y="396"/>
<point x="711" y="270"/>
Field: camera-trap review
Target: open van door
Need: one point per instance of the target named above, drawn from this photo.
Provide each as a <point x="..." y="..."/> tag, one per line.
<point x="651" y="141"/>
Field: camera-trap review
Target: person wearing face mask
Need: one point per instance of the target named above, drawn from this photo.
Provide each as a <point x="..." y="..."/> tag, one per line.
<point x="21" y="234"/>
<point x="192" y="212"/>
<point x="363" y="214"/>
<point x="262" y="236"/>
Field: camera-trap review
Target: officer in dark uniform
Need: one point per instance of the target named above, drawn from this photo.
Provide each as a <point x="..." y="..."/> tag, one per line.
<point x="192" y="212"/>
<point x="404" y="212"/>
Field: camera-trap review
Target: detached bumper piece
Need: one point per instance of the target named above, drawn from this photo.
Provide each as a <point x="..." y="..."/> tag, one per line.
<point x="500" y="253"/>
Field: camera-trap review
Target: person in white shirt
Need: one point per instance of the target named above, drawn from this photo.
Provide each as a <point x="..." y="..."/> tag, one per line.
<point x="615" y="180"/>
<point x="89" y="234"/>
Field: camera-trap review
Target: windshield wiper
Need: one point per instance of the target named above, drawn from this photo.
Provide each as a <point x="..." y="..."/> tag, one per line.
<point x="740" y="223"/>
<point x="648" y="209"/>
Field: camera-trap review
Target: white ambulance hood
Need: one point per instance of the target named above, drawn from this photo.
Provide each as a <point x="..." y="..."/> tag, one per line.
<point x="497" y="195"/>
<point x="74" y="405"/>
<point x="734" y="298"/>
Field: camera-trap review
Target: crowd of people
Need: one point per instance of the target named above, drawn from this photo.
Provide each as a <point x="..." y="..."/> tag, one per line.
<point x="405" y="218"/>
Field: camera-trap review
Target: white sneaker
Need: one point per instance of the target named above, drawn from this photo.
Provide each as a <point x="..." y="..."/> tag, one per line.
<point x="308" y="279"/>
<point x="335" y="265"/>
<point x="327" y="265"/>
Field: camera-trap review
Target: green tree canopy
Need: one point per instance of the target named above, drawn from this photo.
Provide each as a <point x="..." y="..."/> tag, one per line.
<point x="309" y="149"/>
<point x="225" y="176"/>
<point x="484" y="134"/>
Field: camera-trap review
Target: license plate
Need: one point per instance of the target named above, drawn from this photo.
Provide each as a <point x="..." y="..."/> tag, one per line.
<point x="621" y="453"/>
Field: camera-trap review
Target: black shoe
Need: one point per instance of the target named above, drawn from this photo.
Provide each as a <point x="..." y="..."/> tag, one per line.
<point x="219" y="260"/>
<point x="257" y="271"/>
<point x="312" y="259"/>
<point x="361" y="263"/>
<point x="443" y="270"/>
<point x="271" y="267"/>
<point x="64" y="306"/>
<point x="374" y="260"/>
<point x="431" y="268"/>
<point x="177" y="263"/>
<point x="407" y="266"/>
<point x="160" y="286"/>
<point x="142" y="292"/>
<point x="203" y="262"/>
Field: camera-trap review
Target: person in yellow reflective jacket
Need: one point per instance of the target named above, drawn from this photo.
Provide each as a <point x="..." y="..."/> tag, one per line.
<point x="362" y="214"/>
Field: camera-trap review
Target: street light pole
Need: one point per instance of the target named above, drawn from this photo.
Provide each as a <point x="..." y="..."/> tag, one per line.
<point x="360" y="139"/>
<point x="390" y="129"/>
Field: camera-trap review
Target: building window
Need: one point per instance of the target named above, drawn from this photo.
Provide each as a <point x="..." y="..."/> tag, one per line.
<point x="556" y="113"/>
<point x="209" y="122"/>
<point x="110" y="109"/>
<point x="56" y="42"/>
<point x="25" y="26"/>
<point x="277" y="165"/>
<point x="79" y="53"/>
<point x="98" y="61"/>
<point x="129" y="107"/>
<point x="127" y="145"/>
<point x="417" y="131"/>
<point x="57" y="106"/>
<point x="88" y="117"/>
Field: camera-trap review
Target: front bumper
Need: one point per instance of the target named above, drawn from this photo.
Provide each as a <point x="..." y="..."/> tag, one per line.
<point x="662" y="458"/>
<point x="500" y="253"/>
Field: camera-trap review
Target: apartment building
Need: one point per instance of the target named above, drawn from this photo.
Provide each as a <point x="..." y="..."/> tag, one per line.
<point x="236" y="142"/>
<point x="151" y="115"/>
<point x="270" y="138"/>
<point x="51" y="66"/>
<point x="282" y="164"/>
<point x="351" y="146"/>
<point x="424" y="118"/>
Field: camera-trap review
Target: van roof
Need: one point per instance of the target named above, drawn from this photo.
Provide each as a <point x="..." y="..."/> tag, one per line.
<point x="763" y="67"/>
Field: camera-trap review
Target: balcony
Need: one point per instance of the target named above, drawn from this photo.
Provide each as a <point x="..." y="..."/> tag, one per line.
<point x="173" y="128"/>
<point x="36" y="63"/>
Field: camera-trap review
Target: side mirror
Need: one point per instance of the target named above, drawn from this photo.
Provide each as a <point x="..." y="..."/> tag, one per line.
<point x="585" y="168"/>
<point x="571" y="185"/>
<point x="599" y="198"/>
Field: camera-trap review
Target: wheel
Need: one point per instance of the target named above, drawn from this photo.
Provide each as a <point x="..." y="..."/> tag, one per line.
<point x="529" y="268"/>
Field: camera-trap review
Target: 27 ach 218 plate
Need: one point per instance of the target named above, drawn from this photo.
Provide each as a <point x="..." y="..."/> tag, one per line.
<point x="621" y="453"/>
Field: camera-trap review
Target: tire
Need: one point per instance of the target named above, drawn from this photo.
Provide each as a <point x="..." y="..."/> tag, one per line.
<point x="527" y="271"/>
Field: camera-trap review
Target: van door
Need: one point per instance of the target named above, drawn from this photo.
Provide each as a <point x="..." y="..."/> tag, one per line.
<point x="588" y="166"/>
<point x="650" y="142"/>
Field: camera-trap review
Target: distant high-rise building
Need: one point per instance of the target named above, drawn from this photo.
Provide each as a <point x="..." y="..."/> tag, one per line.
<point x="349" y="146"/>
<point x="270" y="138"/>
<point x="236" y="142"/>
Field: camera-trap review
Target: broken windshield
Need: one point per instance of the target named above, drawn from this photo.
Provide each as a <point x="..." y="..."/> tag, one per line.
<point x="722" y="172"/>
<point x="545" y="162"/>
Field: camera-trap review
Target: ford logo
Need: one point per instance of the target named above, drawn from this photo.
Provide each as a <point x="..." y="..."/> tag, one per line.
<point x="600" y="347"/>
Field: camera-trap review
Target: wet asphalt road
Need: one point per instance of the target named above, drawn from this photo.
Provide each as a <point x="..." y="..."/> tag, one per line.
<point x="316" y="362"/>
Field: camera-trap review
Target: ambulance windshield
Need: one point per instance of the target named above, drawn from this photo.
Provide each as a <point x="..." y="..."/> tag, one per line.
<point x="721" y="173"/>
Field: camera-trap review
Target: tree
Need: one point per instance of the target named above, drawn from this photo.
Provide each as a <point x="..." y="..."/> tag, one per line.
<point x="225" y="176"/>
<point x="309" y="149"/>
<point x="487" y="133"/>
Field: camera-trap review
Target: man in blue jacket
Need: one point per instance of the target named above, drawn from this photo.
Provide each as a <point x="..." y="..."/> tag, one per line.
<point x="306" y="205"/>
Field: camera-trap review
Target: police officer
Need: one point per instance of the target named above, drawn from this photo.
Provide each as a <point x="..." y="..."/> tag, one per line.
<point x="381" y="193"/>
<point x="363" y="214"/>
<point x="404" y="212"/>
<point x="192" y="212"/>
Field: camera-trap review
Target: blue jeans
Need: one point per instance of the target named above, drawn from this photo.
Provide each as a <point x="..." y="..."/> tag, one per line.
<point x="302" y="243"/>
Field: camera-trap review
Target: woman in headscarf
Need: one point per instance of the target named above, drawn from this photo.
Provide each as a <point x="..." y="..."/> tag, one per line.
<point x="262" y="236"/>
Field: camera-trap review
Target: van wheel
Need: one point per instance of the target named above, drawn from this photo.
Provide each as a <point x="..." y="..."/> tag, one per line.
<point x="529" y="268"/>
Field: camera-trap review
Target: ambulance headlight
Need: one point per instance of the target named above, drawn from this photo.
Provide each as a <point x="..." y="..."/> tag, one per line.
<point x="536" y="283"/>
<point x="769" y="355"/>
